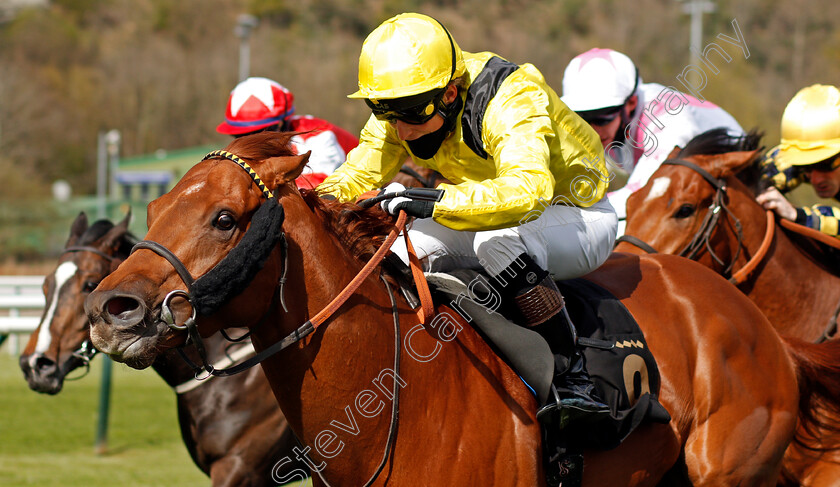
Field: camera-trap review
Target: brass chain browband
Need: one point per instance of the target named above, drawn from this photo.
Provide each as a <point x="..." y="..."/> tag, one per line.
<point x="244" y="165"/>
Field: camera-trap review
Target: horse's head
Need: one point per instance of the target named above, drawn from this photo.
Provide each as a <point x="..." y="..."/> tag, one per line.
<point x="687" y="205"/>
<point x="61" y="342"/>
<point x="208" y="240"/>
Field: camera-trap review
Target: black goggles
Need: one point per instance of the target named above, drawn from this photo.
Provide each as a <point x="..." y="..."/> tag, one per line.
<point x="601" y="117"/>
<point x="823" y="166"/>
<point x="414" y="110"/>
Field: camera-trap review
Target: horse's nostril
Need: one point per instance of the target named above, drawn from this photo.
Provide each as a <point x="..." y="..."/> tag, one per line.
<point x="120" y="306"/>
<point x="44" y="365"/>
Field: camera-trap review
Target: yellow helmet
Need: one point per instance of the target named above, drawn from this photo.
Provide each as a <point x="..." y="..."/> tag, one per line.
<point x="407" y="55"/>
<point x="811" y="126"/>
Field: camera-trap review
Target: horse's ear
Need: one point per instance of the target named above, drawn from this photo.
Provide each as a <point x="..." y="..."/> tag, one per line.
<point x="287" y="168"/>
<point x="732" y="163"/>
<point x="80" y="225"/>
<point x="674" y="152"/>
<point x="113" y="239"/>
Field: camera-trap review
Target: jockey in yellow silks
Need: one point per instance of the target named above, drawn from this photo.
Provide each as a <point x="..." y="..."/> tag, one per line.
<point x="528" y="175"/>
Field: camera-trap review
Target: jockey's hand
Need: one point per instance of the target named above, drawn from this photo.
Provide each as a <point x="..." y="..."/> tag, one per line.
<point x="772" y="199"/>
<point x="415" y="208"/>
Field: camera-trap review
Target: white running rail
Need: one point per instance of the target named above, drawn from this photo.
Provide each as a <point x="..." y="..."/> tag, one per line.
<point x="21" y="306"/>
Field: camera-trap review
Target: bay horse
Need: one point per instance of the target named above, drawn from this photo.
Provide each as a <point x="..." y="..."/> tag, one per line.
<point x="701" y="204"/>
<point x="233" y="429"/>
<point x="379" y="398"/>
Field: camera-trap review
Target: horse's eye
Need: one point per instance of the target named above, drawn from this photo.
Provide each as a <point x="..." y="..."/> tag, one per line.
<point x="225" y="221"/>
<point x="685" y="211"/>
<point x="89" y="286"/>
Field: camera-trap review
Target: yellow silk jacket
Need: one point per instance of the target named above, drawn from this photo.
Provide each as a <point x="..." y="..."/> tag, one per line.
<point x="530" y="151"/>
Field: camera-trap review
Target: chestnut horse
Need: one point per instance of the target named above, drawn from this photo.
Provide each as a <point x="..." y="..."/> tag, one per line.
<point x="232" y="428"/>
<point x="715" y="174"/>
<point x="378" y="401"/>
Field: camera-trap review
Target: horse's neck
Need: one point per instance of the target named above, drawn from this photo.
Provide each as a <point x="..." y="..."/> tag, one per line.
<point x="321" y="377"/>
<point x="319" y="269"/>
<point x="336" y="388"/>
<point x="787" y="282"/>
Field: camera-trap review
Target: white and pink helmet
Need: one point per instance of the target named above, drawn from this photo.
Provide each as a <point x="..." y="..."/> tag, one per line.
<point x="599" y="78"/>
<point x="255" y="104"/>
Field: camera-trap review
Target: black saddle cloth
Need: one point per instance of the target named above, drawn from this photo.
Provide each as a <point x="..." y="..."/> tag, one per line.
<point x="625" y="374"/>
<point x="617" y="357"/>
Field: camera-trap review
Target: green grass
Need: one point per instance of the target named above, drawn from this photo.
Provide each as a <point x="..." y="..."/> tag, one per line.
<point x="49" y="440"/>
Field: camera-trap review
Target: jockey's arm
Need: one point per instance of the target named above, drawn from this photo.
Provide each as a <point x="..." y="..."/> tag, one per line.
<point x="534" y="158"/>
<point x="376" y="160"/>
<point x="824" y="218"/>
<point x="781" y="176"/>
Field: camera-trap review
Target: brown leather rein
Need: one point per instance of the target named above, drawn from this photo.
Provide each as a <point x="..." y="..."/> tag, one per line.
<point x="425" y="311"/>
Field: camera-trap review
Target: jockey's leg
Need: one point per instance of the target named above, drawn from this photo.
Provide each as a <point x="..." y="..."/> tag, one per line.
<point x="440" y="249"/>
<point x="543" y="310"/>
<point x="563" y="243"/>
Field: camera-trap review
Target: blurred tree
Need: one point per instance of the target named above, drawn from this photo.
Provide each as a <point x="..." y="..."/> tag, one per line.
<point x="160" y="71"/>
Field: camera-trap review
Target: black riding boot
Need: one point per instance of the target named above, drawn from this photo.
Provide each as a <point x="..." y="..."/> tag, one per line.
<point x="543" y="310"/>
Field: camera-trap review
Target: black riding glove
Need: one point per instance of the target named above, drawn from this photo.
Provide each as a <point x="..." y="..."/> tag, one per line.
<point x="415" y="208"/>
<point x="418" y="208"/>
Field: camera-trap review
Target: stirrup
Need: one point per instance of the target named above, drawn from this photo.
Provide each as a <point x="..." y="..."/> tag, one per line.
<point x="545" y="413"/>
<point x="562" y="412"/>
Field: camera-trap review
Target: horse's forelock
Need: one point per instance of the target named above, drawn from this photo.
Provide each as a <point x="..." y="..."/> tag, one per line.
<point x="99" y="229"/>
<point x="95" y="232"/>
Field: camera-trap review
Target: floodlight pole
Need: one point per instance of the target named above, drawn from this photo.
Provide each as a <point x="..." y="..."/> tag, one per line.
<point x="111" y="144"/>
<point x="244" y="26"/>
<point x="696" y="8"/>
<point x="101" y="175"/>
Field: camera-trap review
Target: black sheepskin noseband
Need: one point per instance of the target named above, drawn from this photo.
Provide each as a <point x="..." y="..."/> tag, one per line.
<point x="235" y="272"/>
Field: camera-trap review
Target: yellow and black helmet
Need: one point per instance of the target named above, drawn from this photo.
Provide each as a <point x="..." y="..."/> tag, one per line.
<point x="810" y="126"/>
<point x="407" y="55"/>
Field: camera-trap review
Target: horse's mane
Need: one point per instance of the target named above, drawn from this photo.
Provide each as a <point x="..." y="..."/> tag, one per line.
<point x="361" y="231"/>
<point x="719" y="141"/>
<point x="263" y="145"/>
<point x="98" y="230"/>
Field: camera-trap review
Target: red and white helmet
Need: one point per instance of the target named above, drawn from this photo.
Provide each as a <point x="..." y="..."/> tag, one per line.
<point x="255" y="104"/>
<point x="599" y="78"/>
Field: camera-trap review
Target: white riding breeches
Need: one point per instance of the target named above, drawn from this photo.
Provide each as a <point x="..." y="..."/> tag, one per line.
<point x="566" y="241"/>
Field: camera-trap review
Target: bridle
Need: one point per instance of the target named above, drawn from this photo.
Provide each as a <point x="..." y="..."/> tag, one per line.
<point x="426" y="310"/>
<point x="189" y="325"/>
<point x="86" y="350"/>
<point x="702" y="238"/>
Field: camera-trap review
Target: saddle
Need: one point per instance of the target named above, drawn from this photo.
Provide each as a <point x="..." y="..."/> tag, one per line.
<point x="618" y="360"/>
